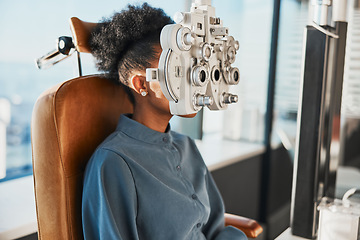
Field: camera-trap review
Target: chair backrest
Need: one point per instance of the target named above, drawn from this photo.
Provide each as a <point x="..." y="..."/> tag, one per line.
<point x="69" y="121"/>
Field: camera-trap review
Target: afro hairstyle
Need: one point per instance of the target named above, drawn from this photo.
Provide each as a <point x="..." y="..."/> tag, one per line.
<point x="126" y="41"/>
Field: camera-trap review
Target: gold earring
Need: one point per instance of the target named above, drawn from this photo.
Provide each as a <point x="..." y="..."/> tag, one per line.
<point x="143" y="92"/>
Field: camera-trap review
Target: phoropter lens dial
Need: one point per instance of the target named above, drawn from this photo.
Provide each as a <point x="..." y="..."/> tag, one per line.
<point x="199" y="75"/>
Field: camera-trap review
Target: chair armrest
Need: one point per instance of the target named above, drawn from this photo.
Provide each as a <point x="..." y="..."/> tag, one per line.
<point x="250" y="227"/>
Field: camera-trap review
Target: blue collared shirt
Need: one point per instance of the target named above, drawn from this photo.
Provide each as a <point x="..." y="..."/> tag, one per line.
<point x="144" y="184"/>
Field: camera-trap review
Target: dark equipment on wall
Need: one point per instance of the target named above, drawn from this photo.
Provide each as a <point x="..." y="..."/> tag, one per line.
<point x="319" y="110"/>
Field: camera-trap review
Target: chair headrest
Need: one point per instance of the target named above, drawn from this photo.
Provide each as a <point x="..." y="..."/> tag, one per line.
<point x="81" y="33"/>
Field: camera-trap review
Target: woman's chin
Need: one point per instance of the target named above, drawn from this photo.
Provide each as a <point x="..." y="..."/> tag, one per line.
<point x="188" y="115"/>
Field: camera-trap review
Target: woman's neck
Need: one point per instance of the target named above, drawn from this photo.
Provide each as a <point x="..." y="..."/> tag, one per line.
<point x="152" y="119"/>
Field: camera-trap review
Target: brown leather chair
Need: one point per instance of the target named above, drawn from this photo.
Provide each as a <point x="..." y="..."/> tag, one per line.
<point x="69" y="121"/>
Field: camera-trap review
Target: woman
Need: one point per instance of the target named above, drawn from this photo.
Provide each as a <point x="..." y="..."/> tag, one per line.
<point x="145" y="181"/>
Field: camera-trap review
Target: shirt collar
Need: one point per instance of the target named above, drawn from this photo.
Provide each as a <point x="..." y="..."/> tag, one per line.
<point x="140" y="132"/>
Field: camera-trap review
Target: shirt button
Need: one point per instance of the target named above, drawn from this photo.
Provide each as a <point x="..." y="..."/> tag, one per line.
<point x="198" y="225"/>
<point x="178" y="167"/>
<point x="194" y="196"/>
<point x="165" y="139"/>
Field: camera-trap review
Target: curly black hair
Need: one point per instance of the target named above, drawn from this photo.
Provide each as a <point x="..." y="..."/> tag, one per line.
<point x="126" y="40"/>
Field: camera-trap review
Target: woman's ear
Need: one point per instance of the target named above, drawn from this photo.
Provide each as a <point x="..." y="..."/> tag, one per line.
<point x="138" y="82"/>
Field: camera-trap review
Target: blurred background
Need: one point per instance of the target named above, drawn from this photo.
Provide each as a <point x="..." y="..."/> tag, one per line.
<point x="265" y="116"/>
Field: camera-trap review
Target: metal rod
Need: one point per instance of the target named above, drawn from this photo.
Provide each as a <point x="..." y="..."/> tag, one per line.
<point x="79" y="63"/>
<point x="265" y="169"/>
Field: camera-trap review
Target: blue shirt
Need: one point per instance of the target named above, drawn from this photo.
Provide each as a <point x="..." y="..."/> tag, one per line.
<point x="144" y="184"/>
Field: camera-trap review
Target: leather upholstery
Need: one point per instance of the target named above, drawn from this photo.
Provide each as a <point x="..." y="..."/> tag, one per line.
<point x="69" y="121"/>
<point x="81" y="32"/>
<point x="250" y="227"/>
